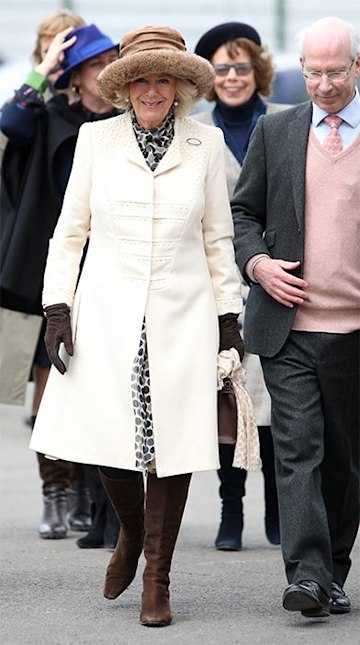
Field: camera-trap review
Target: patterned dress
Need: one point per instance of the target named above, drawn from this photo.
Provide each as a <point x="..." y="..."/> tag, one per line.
<point x="153" y="144"/>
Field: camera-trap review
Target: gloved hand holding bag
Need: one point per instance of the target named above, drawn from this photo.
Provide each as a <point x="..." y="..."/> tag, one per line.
<point x="230" y="335"/>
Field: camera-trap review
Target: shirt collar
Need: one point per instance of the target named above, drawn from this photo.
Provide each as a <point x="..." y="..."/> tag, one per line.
<point x="350" y="113"/>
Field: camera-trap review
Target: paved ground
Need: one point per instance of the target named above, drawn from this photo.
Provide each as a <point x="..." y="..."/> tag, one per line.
<point x="51" y="590"/>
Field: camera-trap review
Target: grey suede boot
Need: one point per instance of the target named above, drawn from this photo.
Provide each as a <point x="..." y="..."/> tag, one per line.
<point x="79" y="506"/>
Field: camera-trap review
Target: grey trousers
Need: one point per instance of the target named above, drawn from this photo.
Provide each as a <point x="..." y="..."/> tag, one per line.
<point x="314" y="387"/>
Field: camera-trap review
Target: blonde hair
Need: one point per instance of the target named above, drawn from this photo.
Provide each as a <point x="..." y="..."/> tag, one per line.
<point x="263" y="65"/>
<point x="52" y="24"/>
<point x="186" y="94"/>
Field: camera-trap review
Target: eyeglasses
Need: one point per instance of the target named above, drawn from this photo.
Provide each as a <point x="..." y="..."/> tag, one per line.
<point x="241" y="69"/>
<point x="333" y="77"/>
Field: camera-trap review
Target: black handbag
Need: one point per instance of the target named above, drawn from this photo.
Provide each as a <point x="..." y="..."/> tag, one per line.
<point x="227" y="413"/>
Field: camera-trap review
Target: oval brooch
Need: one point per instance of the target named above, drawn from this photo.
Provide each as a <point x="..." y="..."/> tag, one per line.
<point x="194" y="142"/>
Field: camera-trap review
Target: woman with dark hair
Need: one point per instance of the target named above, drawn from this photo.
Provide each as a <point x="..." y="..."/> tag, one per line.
<point x="243" y="76"/>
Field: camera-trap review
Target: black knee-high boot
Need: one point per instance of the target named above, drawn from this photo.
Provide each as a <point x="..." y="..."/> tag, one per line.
<point x="271" y="500"/>
<point x="232" y="490"/>
<point x="104" y="523"/>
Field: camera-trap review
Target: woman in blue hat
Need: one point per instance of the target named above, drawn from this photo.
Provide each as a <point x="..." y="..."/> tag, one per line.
<point x="38" y="157"/>
<point x="243" y="76"/>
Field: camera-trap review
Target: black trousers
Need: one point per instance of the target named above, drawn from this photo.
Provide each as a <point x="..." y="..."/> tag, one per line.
<point x="314" y="386"/>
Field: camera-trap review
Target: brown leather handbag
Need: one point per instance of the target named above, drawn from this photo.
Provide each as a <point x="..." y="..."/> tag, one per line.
<point x="227" y="413"/>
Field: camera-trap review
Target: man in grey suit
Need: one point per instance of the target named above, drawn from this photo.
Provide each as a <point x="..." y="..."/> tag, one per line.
<point x="296" y="218"/>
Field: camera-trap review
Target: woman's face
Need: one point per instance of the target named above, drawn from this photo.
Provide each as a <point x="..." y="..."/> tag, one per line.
<point x="85" y="76"/>
<point x="232" y="89"/>
<point x="151" y="98"/>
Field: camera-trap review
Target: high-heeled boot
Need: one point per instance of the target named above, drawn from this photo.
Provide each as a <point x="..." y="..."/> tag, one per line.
<point x="79" y="506"/>
<point x="165" y="503"/>
<point x="55" y="478"/>
<point x="104" y="530"/>
<point x="272" y="528"/>
<point x="53" y="524"/>
<point x="127" y="497"/>
<point x="232" y="490"/>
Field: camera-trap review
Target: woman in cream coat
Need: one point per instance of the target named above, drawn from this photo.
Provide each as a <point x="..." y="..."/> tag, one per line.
<point x="243" y="74"/>
<point x="158" y="284"/>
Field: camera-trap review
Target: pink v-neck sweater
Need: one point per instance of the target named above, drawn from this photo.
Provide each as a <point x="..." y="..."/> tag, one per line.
<point x="332" y="240"/>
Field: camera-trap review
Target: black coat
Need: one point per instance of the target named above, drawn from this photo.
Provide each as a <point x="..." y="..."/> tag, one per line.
<point x="34" y="179"/>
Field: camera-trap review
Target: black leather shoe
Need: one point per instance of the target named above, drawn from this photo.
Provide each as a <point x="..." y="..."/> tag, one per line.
<point x="308" y="597"/>
<point x="339" y="601"/>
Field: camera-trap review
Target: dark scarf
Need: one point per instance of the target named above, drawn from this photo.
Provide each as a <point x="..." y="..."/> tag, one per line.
<point x="237" y="123"/>
<point x="155" y="142"/>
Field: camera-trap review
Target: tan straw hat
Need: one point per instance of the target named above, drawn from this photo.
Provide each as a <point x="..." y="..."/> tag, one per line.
<point x="154" y="50"/>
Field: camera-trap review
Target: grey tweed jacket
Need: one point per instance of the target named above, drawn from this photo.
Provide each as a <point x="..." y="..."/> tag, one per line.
<point x="268" y="211"/>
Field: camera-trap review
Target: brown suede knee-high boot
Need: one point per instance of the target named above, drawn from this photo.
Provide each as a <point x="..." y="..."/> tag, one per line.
<point x="165" y="503"/>
<point x="127" y="498"/>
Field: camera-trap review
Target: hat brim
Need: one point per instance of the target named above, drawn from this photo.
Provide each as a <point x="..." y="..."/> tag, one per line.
<point x="189" y="67"/>
<point x="221" y="34"/>
<point x="63" y="81"/>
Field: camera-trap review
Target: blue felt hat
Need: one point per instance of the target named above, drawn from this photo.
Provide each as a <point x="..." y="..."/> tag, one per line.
<point x="90" y="41"/>
<point x="221" y="34"/>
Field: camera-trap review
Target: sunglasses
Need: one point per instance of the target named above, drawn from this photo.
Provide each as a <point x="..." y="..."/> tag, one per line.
<point x="241" y="69"/>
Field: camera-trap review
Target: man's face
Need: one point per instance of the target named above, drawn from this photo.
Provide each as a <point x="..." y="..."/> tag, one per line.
<point x="325" y="55"/>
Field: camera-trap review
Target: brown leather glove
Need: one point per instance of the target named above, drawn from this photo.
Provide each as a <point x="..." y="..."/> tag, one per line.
<point x="230" y="335"/>
<point x="58" y="330"/>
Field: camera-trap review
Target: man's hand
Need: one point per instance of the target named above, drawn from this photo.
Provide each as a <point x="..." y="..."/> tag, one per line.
<point x="274" y="277"/>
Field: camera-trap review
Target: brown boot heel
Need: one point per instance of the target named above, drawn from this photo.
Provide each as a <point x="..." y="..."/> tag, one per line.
<point x="155" y="610"/>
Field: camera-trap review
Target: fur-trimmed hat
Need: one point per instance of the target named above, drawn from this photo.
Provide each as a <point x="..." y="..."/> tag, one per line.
<point x="90" y="42"/>
<point x="154" y="50"/>
<point x="221" y="34"/>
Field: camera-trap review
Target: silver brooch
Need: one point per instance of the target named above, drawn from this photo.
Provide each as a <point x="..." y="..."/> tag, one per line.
<point x="194" y="142"/>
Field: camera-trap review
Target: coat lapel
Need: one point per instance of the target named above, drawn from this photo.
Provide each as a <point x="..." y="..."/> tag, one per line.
<point x="129" y="143"/>
<point x="173" y="155"/>
<point x="127" y="137"/>
<point x="298" y="140"/>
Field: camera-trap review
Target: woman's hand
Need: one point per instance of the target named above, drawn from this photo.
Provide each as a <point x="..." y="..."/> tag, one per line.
<point x="55" y="54"/>
<point x="58" y="330"/>
<point x="230" y="335"/>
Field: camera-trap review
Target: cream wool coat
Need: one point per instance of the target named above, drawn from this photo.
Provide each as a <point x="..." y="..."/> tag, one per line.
<point x="160" y="247"/>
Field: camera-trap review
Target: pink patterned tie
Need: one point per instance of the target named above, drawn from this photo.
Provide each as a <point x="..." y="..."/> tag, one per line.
<point x="333" y="142"/>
